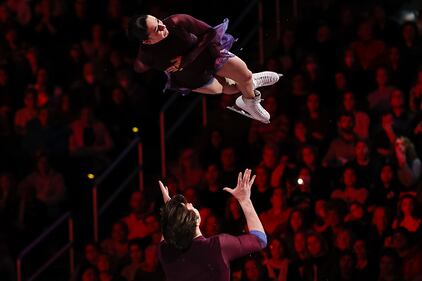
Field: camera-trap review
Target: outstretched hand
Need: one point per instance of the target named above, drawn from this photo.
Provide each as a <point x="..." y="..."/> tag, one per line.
<point x="242" y="191"/>
<point x="164" y="192"/>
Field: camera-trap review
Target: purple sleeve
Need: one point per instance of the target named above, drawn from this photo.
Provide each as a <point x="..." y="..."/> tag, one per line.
<point x="205" y="33"/>
<point x="233" y="247"/>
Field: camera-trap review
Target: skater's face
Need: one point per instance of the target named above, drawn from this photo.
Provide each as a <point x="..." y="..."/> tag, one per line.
<point x="157" y="31"/>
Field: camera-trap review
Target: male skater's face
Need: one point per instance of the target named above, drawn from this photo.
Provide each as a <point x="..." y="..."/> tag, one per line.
<point x="157" y="31"/>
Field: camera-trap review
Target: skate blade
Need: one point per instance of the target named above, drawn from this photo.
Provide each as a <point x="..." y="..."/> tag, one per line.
<point x="244" y="113"/>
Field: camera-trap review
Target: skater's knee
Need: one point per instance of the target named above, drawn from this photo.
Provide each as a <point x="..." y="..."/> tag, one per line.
<point x="247" y="76"/>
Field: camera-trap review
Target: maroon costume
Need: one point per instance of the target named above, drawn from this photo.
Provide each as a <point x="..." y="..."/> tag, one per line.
<point x="202" y="47"/>
<point x="207" y="258"/>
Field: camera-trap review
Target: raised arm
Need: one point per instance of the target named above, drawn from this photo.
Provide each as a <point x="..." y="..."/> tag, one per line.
<point x="242" y="193"/>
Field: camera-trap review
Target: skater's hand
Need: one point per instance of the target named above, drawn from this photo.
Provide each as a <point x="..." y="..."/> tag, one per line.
<point x="164" y="192"/>
<point x="242" y="192"/>
<point x="176" y="62"/>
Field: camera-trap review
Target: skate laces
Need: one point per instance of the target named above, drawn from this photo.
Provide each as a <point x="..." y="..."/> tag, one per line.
<point x="265" y="78"/>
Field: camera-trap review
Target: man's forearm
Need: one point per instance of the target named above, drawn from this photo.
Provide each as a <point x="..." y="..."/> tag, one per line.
<point x="252" y="219"/>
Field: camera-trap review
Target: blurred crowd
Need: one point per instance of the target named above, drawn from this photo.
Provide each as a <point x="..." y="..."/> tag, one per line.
<point x="338" y="184"/>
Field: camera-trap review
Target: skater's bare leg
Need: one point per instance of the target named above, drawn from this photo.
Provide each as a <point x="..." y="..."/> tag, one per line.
<point x="219" y="85"/>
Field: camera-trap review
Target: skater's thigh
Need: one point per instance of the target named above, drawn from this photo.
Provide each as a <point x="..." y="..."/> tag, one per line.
<point x="212" y="88"/>
<point x="235" y="69"/>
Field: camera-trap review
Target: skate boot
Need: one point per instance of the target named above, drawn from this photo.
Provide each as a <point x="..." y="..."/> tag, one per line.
<point x="265" y="78"/>
<point x="253" y="108"/>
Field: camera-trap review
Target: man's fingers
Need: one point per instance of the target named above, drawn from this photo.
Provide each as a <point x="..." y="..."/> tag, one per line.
<point x="239" y="179"/>
<point x="229" y="190"/>
<point x="252" y="180"/>
<point x="162" y="186"/>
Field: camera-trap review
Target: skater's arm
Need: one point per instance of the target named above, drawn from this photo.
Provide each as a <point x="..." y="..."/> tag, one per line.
<point x="141" y="63"/>
<point x="242" y="193"/>
<point x="205" y="33"/>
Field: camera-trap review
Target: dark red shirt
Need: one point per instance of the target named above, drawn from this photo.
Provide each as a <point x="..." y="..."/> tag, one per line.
<point x="207" y="259"/>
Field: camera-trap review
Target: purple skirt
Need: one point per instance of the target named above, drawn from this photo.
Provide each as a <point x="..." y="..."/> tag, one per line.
<point x="226" y="41"/>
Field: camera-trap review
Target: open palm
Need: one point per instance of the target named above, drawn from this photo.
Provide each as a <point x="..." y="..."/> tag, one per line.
<point x="242" y="191"/>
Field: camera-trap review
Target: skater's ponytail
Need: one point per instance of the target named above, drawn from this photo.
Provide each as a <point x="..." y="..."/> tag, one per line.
<point x="137" y="28"/>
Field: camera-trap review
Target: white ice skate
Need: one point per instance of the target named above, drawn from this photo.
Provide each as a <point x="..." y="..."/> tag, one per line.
<point x="251" y="108"/>
<point x="265" y="78"/>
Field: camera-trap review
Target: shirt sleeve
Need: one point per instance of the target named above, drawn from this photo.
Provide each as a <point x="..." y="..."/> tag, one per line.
<point x="233" y="247"/>
<point x="205" y="33"/>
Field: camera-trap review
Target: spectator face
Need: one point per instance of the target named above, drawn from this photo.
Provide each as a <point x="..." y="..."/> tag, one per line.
<point x="346" y="264"/>
<point x="151" y="254"/>
<point x="299" y="242"/>
<point x="234" y="206"/>
<point x="42" y="165"/>
<point x="313" y="103"/>
<point x="269" y="157"/>
<point x="349" y="101"/>
<point x="320" y="210"/>
<point x="153" y="224"/>
<point x="212" y="174"/>
<point x="314" y="245"/>
<point x="365" y="31"/>
<point x="357" y="212"/>
<point x="103" y="264"/>
<point x="349" y="178"/>
<point x="345" y="124"/>
<point x="387" y="266"/>
<point x="135" y="253"/>
<point x="349" y="58"/>
<point x="296" y="221"/>
<point x="228" y="158"/>
<point x="252" y="270"/>
<point x="381" y="76"/>
<point x="212" y="226"/>
<point x="270" y="104"/>
<point x="323" y="33"/>
<point x="29" y="100"/>
<point x="191" y="196"/>
<point x="408" y="32"/>
<point x="277" y="198"/>
<point x="276" y="249"/>
<point x="300" y="130"/>
<point x="308" y="156"/>
<point x="387" y="174"/>
<point x="361" y="150"/>
<point x="407" y="206"/>
<point x="341" y="81"/>
<point x="333" y="217"/>
<point x="261" y="179"/>
<point x="86" y="116"/>
<point x="379" y="218"/>
<point x="88" y="72"/>
<point x="89" y="275"/>
<point x="119" y="233"/>
<point x="216" y="138"/>
<point x="399" y="241"/>
<point x="394" y="54"/>
<point x="343" y="240"/>
<point x="136" y="201"/>
<point x="397" y="100"/>
<point x="118" y="96"/>
<point x="360" y="249"/>
<point x="91" y="254"/>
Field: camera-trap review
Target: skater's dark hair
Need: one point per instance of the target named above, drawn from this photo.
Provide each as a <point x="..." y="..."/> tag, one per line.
<point x="137" y="28"/>
<point x="178" y="224"/>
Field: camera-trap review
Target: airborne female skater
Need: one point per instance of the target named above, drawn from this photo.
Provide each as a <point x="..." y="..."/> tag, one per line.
<point x="195" y="57"/>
